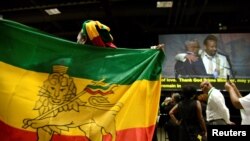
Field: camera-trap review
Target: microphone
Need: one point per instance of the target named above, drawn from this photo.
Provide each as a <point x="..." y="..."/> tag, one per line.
<point x="233" y="72"/>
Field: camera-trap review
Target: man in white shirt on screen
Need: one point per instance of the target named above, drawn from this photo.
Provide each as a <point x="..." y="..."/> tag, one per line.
<point x="216" y="65"/>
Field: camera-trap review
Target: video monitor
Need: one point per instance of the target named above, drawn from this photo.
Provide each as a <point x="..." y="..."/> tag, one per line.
<point x="219" y="56"/>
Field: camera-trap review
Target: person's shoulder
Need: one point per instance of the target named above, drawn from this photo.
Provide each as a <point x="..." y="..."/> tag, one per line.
<point x="246" y="97"/>
<point x="201" y="53"/>
<point x="215" y="91"/>
<point x="222" y="55"/>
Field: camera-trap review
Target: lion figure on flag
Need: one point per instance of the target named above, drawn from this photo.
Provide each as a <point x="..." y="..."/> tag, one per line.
<point x="61" y="109"/>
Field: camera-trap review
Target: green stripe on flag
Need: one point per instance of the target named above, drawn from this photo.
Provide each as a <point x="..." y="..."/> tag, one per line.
<point x="31" y="49"/>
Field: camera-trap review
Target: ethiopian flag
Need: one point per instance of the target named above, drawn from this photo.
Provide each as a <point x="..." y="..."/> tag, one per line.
<point x="52" y="89"/>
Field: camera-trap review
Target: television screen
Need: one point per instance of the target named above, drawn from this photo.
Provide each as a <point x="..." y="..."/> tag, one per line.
<point x="191" y="58"/>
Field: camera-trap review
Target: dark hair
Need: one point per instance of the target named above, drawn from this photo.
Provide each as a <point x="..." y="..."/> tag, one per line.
<point x="210" y="37"/>
<point x="177" y="97"/>
<point x="188" y="91"/>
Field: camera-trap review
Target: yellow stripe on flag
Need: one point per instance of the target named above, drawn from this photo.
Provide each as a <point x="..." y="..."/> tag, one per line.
<point x="132" y="104"/>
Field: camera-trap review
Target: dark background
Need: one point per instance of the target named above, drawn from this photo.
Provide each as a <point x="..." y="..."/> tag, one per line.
<point x="133" y="23"/>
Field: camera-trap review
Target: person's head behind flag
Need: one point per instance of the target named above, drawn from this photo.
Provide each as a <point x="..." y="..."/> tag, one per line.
<point x="95" y="33"/>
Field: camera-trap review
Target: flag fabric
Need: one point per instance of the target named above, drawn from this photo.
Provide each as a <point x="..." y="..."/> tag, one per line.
<point x="52" y="89"/>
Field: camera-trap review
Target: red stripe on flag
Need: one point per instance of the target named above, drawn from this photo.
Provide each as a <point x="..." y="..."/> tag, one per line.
<point x="136" y="134"/>
<point x="94" y="92"/>
<point x="8" y="133"/>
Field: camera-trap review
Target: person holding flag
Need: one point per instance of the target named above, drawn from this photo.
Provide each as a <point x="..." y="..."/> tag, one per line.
<point x="95" y="33"/>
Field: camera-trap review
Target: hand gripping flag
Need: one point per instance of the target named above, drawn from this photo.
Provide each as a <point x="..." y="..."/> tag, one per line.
<point x="53" y="89"/>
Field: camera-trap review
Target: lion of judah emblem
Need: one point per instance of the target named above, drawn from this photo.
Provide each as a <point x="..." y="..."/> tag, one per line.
<point x="61" y="109"/>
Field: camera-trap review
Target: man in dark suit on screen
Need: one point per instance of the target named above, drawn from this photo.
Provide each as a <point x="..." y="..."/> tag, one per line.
<point x="187" y="68"/>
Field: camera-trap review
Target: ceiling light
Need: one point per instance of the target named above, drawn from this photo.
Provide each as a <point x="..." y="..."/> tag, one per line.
<point x="52" y="11"/>
<point x="164" y="4"/>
